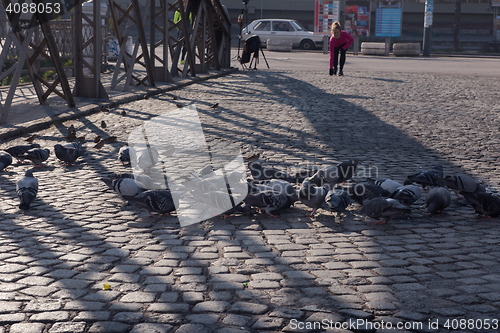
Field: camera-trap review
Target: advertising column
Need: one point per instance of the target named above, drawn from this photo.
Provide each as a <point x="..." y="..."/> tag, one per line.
<point x="429" y="8"/>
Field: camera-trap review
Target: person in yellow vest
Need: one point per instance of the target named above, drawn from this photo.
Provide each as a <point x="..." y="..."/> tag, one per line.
<point x="177" y="18"/>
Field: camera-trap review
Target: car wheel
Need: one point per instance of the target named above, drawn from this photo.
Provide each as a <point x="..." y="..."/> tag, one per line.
<point x="307" y="45"/>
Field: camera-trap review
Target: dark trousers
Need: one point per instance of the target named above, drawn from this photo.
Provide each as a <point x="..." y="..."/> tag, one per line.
<point x="336" y="57"/>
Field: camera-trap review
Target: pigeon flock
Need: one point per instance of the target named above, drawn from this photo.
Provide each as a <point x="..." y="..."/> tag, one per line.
<point x="269" y="189"/>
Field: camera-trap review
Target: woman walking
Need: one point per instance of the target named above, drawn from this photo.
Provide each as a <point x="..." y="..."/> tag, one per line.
<point x="339" y="42"/>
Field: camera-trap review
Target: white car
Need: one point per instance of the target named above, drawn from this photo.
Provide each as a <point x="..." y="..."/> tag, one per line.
<point x="282" y="29"/>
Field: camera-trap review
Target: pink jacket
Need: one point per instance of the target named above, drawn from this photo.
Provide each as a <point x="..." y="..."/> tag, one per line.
<point x="344" y="41"/>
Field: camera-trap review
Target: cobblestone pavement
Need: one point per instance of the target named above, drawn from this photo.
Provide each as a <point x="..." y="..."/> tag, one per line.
<point x="256" y="273"/>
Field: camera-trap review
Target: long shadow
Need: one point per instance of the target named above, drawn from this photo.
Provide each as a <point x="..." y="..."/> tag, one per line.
<point x="322" y="268"/>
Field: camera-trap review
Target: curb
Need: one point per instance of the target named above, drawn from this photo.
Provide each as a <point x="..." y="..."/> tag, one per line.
<point x="76" y="112"/>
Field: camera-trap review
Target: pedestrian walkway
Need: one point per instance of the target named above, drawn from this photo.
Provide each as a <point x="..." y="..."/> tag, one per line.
<point x="82" y="260"/>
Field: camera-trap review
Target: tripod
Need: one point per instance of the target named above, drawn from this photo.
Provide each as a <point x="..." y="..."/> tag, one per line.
<point x="252" y="45"/>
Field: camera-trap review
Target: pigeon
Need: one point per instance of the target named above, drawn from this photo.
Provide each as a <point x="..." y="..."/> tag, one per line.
<point x="217" y="200"/>
<point x="71" y="136"/>
<point x="430" y="177"/>
<point x="312" y="196"/>
<point x="260" y="172"/>
<point x="103" y="124"/>
<point x="335" y="174"/>
<point x="126" y="187"/>
<point x="81" y="139"/>
<point x="18" y="151"/>
<point x="267" y="200"/>
<point x="437" y="200"/>
<point x="214" y="106"/>
<point x="484" y="203"/>
<point x="463" y="183"/>
<point x="31" y="138"/>
<point x="362" y="192"/>
<point x="215" y="183"/>
<point x="146" y="159"/>
<point x="123" y="112"/>
<point x="387" y="184"/>
<point x="5" y="160"/>
<point x="97" y="138"/>
<point x="159" y="201"/>
<point x="407" y="193"/>
<point x="124" y="155"/>
<point x="384" y="208"/>
<point x="142" y="180"/>
<point x="69" y="153"/>
<point x="336" y="200"/>
<point x="27" y="188"/>
<point x="180" y="106"/>
<point x="37" y="156"/>
<point x="277" y="185"/>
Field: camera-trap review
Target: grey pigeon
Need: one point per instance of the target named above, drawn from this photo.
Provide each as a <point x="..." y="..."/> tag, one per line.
<point x="384" y="208"/>
<point x="335" y="174"/>
<point x="362" y="192"/>
<point x="5" y="160"/>
<point x="267" y="200"/>
<point x="18" y="151"/>
<point x="277" y="185"/>
<point x="217" y="200"/>
<point x="388" y="184"/>
<point x="37" y="155"/>
<point x="125" y="187"/>
<point x="141" y="179"/>
<point x="437" y="200"/>
<point x="27" y="188"/>
<point x="407" y="193"/>
<point x="312" y="196"/>
<point x="463" y="183"/>
<point x="430" y="177"/>
<point x="69" y="153"/>
<point x="484" y="203"/>
<point x="159" y="201"/>
<point x="124" y="155"/>
<point x="336" y="200"/>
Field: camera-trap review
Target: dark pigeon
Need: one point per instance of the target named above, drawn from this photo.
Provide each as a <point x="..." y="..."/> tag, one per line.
<point x="27" y="188"/>
<point x="430" y="177"/>
<point x="463" y="183"/>
<point x="362" y="192"/>
<point x="312" y="196"/>
<point x="124" y="155"/>
<point x="5" y="160"/>
<point x="277" y="185"/>
<point x="437" y="200"/>
<point x="260" y="172"/>
<point x="37" y="155"/>
<point x="69" y="153"/>
<point x="407" y="193"/>
<point x="159" y="201"/>
<point x="336" y="200"/>
<point x="384" y="208"/>
<point x="332" y="175"/>
<point x="18" y="151"/>
<point x="484" y="203"/>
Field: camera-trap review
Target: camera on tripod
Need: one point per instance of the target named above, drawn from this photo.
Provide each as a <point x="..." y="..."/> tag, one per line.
<point x="245" y="2"/>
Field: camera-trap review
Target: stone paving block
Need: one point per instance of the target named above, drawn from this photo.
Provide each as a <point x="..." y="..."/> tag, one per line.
<point x="50" y="316"/>
<point x="93" y="316"/>
<point x="128" y="317"/>
<point x="108" y="327"/>
<point x="168" y="307"/>
<point x="27" y="328"/>
<point x="249" y="308"/>
<point x="138" y="297"/>
<point x="68" y="327"/>
<point x="151" y="328"/>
